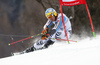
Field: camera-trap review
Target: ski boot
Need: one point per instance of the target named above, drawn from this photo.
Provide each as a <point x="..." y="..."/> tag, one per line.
<point x="30" y="49"/>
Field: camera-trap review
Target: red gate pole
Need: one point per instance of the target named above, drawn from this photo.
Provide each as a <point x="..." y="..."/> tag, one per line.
<point x="90" y="20"/>
<point x="63" y="21"/>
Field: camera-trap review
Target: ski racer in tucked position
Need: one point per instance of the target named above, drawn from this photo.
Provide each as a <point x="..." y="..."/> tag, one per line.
<point x="57" y="32"/>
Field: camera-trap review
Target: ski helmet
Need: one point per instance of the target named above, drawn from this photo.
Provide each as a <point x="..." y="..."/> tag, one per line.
<point x="50" y="12"/>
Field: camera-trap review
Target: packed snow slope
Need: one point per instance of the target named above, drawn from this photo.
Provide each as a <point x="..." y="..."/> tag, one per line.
<point x="84" y="52"/>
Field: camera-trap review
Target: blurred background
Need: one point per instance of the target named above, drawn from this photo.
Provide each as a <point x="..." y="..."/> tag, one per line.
<point x="22" y="18"/>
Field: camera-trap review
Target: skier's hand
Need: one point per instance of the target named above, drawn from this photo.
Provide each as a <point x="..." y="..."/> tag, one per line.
<point x="44" y="37"/>
<point x="45" y="31"/>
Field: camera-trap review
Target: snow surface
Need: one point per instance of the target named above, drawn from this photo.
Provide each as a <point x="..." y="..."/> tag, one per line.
<point x="84" y="52"/>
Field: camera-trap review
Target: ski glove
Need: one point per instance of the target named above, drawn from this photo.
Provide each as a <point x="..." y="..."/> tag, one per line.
<point x="45" y="31"/>
<point x="44" y="37"/>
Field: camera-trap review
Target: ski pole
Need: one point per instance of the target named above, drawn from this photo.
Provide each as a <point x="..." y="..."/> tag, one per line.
<point x="24" y="39"/>
<point x="65" y="40"/>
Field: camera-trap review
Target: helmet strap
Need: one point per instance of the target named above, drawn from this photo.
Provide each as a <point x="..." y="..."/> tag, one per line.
<point x="56" y="17"/>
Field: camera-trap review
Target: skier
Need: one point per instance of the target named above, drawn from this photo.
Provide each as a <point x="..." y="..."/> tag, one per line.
<point x="57" y="31"/>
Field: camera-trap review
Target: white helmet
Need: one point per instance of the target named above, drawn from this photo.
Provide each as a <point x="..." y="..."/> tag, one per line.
<point x="50" y="12"/>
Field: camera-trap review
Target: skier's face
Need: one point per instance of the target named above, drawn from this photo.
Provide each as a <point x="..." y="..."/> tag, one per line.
<point x="52" y="18"/>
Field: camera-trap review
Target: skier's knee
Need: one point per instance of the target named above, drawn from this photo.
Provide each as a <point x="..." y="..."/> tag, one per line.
<point x="49" y="42"/>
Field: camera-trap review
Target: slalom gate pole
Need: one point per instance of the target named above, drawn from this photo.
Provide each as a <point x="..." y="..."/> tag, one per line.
<point x="90" y="20"/>
<point x="24" y="39"/>
<point x="63" y="21"/>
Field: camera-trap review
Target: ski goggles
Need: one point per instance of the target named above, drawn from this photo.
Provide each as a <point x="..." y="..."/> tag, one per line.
<point x="50" y="16"/>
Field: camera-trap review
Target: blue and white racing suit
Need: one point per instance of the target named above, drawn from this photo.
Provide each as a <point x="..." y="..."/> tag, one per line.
<point x="57" y="31"/>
